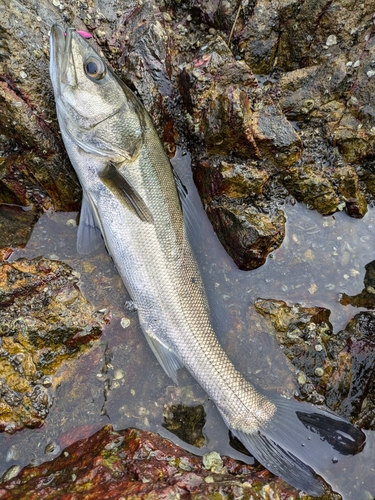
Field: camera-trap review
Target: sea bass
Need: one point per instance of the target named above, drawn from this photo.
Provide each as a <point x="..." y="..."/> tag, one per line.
<point x="130" y="198"/>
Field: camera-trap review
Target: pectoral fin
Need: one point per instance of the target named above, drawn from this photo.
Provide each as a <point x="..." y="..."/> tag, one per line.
<point x="89" y="236"/>
<point x="120" y="187"/>
<point x="166" y="357"/>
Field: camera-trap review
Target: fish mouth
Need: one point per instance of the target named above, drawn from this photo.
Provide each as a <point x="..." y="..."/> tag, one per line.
<point x="62" y="68"/>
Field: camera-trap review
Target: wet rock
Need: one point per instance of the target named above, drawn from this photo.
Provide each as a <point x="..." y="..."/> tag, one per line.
<point x="258" y="40"/>
<point x="367" y="297"/>
<point x="16" y="225"/>
<point x="138" y="464"/>
<point x="32" y="169"/>
<point x="186" y="422"/>
<point x="308" y="184"/>
<point x="292" y="35"/>
<point x="308" y="31"/>
<point x="218" y="96"/>
<point x="356" y="204"/>
<point x="354" y="143"/>
<point x="213" y="12"/>
<point x="304" y="334"/>
<point x="44" y="320"/>
<point x="275" y="137"/>
<point x="215" y="177"/>
<point x="336" y="369"/>
<point x="306" y="91"/>
<point x="353" y="381"/>
<point x="247" y="235"/>
<point x="229" y="113"/>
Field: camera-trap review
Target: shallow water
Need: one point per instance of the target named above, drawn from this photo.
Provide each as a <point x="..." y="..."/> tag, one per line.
<point x="118" y="380"/>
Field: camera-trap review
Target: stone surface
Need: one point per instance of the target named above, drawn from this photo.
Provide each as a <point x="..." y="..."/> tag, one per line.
<point x="335" y="369"/>
<point x="247" y="235"/>
<point x="215" y="177"/>
<point x="186" y="422"/>
<point x="138" y="464"/>
<point x="306" y="183"/>
<point x="230" y="113"/>
<point x="275" y="137"/>
<point x="44" y="320"/>
<point x="367" y="297"/>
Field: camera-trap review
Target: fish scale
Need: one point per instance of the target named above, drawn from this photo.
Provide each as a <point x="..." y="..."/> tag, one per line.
<point x="130" y="198"/>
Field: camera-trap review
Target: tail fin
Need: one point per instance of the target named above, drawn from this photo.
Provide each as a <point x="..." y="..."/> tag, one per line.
<point x="300" y="441"/>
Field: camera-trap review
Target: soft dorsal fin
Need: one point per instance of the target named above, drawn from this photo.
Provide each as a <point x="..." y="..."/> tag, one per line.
<point x="116" y="182"/>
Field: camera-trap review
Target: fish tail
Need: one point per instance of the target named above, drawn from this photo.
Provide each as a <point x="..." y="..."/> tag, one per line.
<point x="301" y="441"/>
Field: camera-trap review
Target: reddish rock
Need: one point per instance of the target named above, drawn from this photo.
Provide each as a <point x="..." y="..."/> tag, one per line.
<point x="137" y="464"/>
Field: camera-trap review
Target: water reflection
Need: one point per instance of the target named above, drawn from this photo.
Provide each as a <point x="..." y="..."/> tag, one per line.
<point x="119" y="380"/>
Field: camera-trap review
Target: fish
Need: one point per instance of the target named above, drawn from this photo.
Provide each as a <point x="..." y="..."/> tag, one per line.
<point x="135" y="202"/>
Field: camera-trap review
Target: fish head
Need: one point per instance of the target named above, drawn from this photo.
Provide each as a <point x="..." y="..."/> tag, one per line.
<point x="90" y="99"/>
<point x="81" y="80"/>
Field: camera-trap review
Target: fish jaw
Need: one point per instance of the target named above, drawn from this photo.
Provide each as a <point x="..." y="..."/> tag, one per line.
<point x="57" y="47"/>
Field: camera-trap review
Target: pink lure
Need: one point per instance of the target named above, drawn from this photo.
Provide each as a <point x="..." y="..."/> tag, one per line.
<point x="84" y="34"/>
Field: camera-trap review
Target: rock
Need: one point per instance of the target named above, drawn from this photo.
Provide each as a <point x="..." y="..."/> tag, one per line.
<point x="229" y="113"/>
<point x="44" y="320"/>
<point x="213" y="12"/>
<point x="356" y="204"/>
<point x="306" y="28"/>
<point x="367" y="297"/>
<point x="309" y="185"/>
<point x="305" y="335"/>
<point x="275" y="137"/>
<point x="32" y="167"/>
<point x="353" y="382"/>
<point x="332" y="368"/>
<point x="138" y="464"/>
<point x="247" y="235"/>
<point x="220" y="94"/>
<point x="16" y="225"/>
<point x="215" y="177"/>
<point x="306" y="90"/>
<point x="258" y="40"/>
<point x="354" y="143"/>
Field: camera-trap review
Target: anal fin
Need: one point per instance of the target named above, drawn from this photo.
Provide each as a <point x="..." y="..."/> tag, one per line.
<point x="166" y="357"/>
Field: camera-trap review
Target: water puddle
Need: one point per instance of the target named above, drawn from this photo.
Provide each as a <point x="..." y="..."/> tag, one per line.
<point x="119" y="381"/>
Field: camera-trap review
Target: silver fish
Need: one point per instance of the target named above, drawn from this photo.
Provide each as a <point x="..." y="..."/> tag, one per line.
<point x="130" y="198"/>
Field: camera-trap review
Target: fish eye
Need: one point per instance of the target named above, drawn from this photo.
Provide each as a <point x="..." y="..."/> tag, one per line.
<point x="94" y="68"/>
